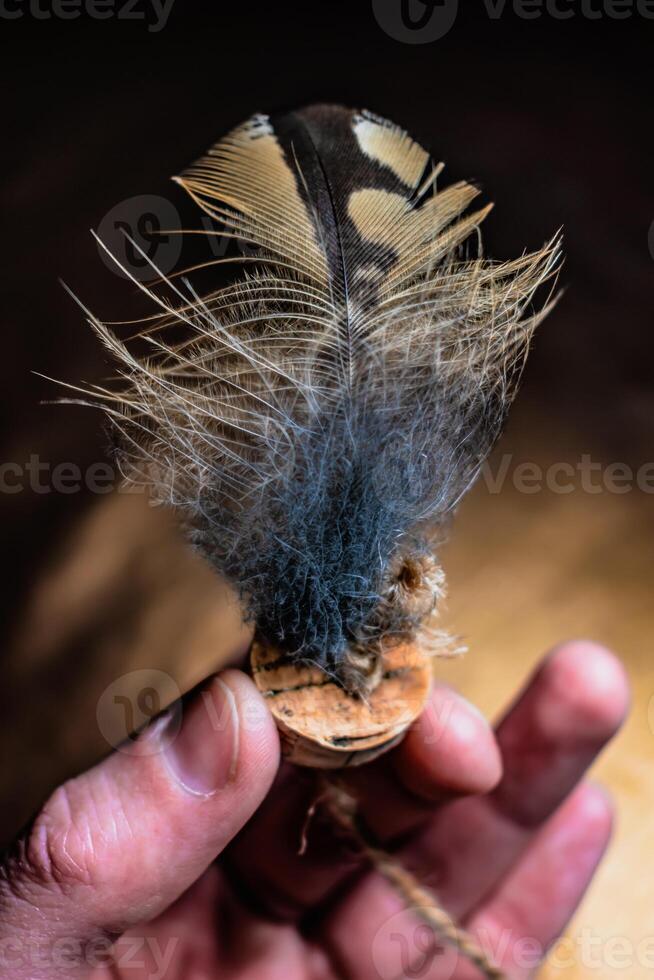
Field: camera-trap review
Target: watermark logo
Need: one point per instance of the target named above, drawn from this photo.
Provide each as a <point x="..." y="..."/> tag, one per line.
<point x="404" y="946"/>
<point x="424" y="21"/>
<point x="131" y="703"/>
<point x="141" y="713"/>
<point x="400" y="479"/>
<point x="142" y="235"/>
<point x="415" y="21"/>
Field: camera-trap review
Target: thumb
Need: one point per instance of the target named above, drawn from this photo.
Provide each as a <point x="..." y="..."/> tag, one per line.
<point x="117" y="845"/>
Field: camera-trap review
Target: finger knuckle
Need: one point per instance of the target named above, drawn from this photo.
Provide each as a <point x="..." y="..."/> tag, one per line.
<point x="59" y="848"/>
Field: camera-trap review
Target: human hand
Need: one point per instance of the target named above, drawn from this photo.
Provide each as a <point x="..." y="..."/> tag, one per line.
<point x="128" y="849"/>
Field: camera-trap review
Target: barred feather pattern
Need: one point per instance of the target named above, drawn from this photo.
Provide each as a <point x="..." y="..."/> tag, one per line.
<point x="324" y="413"/>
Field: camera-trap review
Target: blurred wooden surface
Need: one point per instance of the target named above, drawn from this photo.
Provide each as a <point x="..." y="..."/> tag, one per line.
<point x="525" y="573"/>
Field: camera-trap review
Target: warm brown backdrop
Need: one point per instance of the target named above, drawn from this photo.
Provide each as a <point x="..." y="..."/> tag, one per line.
<point x="552" y="118"/>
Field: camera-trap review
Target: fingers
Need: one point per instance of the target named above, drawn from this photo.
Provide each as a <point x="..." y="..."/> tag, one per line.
<point x="373" y="934"/>
<point x="571" y="707"/>
<point x="574" y="704"/>
<point x="289" y="856"/>
<point x="537" y="899"/>
<point x="118" y="844"/>
<point x="450" y="751"/>
<point x="567" y="712"/>
<point x="208" y="933"/>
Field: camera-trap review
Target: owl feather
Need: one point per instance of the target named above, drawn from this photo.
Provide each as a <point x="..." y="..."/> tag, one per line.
<point x="318" y="419"/>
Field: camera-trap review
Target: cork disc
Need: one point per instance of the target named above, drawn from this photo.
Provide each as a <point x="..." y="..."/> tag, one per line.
<point x="323" y="726"/>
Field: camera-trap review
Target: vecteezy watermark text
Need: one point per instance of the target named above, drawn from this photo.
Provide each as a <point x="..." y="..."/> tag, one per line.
<point x="41" y="477"/>
<point x="585" y="475"/>
<point x="564" y="476"/>
<point x="408" y="947"/>
<point x="424" y="21"/>
<point x="147" y="954"/>
<point x="153" y="12"/>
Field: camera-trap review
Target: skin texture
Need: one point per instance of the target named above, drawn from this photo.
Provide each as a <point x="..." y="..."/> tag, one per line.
<point x="177" y="851"/>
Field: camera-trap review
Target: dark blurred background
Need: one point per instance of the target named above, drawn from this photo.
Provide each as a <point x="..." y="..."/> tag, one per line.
<point x="553" y="118"/>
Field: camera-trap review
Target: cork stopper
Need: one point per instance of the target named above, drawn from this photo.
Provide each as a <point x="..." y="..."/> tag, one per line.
<point x="322" y="725"/>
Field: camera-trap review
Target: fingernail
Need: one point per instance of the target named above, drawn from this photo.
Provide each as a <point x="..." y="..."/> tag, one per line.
<point x="204" y="755"/>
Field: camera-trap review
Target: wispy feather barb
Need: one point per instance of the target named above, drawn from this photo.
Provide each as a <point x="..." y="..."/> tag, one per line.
<point x="323" y="414"/>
